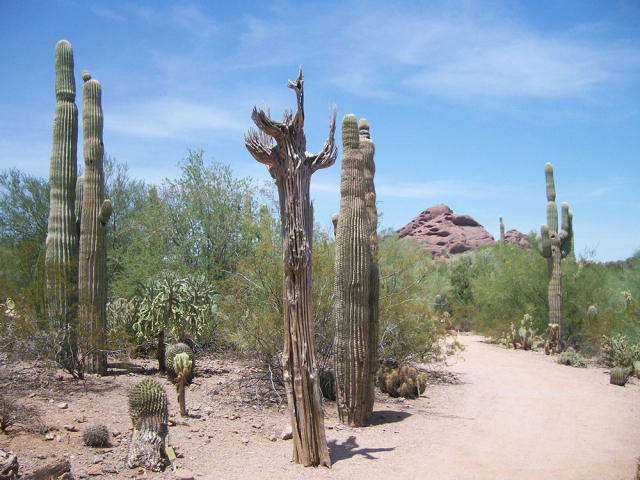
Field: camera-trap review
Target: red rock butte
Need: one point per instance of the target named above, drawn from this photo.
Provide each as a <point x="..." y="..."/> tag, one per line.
<point x="443" y="232"/>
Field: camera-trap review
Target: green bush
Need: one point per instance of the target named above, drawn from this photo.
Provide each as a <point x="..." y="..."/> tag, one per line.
<point x="617" y="351"/>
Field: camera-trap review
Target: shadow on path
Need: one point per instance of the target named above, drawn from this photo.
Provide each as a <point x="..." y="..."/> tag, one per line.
<point x="349" y="448"/>
<point x="381" y="417"/>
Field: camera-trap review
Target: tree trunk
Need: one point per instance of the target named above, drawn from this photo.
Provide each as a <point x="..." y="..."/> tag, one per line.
<point x="147" y="448"/>
<point x="291" y="167"/>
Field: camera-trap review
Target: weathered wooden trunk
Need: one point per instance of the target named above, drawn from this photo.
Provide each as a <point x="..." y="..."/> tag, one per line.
<point x="291" y="167"/>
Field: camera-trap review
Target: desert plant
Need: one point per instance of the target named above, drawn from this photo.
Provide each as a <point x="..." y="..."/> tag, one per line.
<point x="501" y="233"/>
<point x="149" y="415"/>
<point x="572" y="359"/>
<point x="182" y="366"/>
<point x="619" y="376"/>
<point x="92" y="267"/>
<point x="62" y="240"/>
<point x="328" y="385"/>
<point x="523" y="337"/>
<point x="352" y="306"/>
<point x="554" y="246"/>
<point x="405" y="381"/>
<point x="292" y="166"/>
<point x="617" y="351"/>
<point x="592" y="313"/>
<point x="95" y="435"/>
<point x="175" y="350"/>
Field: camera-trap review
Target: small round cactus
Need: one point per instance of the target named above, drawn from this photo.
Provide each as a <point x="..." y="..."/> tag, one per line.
<point x="328" y="385"/>
<point x="174" y="350"/>
<point x="618" y="376"/>
<point x="592" y="313"/>
<point x="95" y="435"/>
<point x="148" y="400"/>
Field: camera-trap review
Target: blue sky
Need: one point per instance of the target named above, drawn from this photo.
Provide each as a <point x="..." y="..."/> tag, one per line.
<point x="466" y="100"/>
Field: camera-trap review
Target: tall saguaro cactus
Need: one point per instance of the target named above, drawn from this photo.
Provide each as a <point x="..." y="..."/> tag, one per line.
<point x="92" y="274"/>
<point x="502" y="239"/>
<point x="368" y="149"/>
<point x="62" y="238"/>
<point x="291" y="166"/>
<point x="352" y="311"/>
<point x="554" y="246"/>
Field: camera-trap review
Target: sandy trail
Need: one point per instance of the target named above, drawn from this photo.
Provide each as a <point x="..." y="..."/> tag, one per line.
<point x="517" y="415"/>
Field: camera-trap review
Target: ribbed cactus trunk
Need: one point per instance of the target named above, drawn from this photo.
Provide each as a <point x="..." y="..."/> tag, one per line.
<point x="554" y="247"/>
<point x="92" y="274"/>
<point x="502" y="240"/>
<point x="62" y="239"/>
<point x="368" y="150"/>
<point x="291" y="167"/>
<point x="352" y="311"/>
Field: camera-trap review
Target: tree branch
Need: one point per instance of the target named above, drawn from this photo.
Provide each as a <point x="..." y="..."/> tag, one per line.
<point x="329" y="152"/>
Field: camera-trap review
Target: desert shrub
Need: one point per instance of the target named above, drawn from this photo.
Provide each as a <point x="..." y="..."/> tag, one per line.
<point x="572" y="359"/>
<point x="410" y="330"/>
<point x="617" y="351"/>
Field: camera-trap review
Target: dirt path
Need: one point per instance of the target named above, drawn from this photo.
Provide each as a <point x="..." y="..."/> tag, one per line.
<point x="516" y="415"/>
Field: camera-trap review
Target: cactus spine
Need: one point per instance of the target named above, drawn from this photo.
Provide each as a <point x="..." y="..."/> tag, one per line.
<point x="352" y="312"/>
<point x="62" y="238"/>
<point x="92" y="275"/>
<point x="368" y="149"/>
<point x="554" y="247"/>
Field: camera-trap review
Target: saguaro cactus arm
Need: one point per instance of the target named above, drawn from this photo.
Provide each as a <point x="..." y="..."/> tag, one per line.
<point x="543" y="241"/>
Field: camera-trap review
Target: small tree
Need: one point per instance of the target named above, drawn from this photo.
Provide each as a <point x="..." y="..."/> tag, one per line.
<point x="292" y="166"/>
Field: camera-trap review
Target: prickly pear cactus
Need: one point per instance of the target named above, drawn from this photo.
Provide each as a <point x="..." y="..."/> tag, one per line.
<point x="554" y="246"/>
<point x="404" y="381"/>
<point x="618" y="376"/>
<point x="149" y="415"/>
<point x="172" y="352"/>
<point x="352" y="286"/>
<point x="96" y="435"/>
<point x="62" y="236"/>
<point x="92" y="266"/>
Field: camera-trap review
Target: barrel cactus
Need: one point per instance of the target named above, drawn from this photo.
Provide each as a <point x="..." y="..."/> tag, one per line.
<point x="95" y="435"/>
<point x="149" y="415"/>
<point x="62" y="237"/>
<point x="172" y="352"/>
<point x="352" y="286"/>
<point x="404" y="381"/>
<point x="92" y="273"/>
<point x="619" y="376"/>
<point x="328" y="385"/>
<point x="554" y="246"/>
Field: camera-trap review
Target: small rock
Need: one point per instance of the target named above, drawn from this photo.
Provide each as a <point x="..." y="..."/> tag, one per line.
<point x="49" y="436"/>
<point x="58" y="438"/>
<point x="184" y="474"/>
<point x="71" y="428"/>
<point x="244" y="440"/>
<point x="63" y="406"/>
<point x="286" y="434"/>
<point x="95" y="469"/>
<point x="329" y="427"/>
<point x="116" y="433"/>
<point x="194" y="429"/>
<point x="273" y="437"/>
<point x="257" y="425"/>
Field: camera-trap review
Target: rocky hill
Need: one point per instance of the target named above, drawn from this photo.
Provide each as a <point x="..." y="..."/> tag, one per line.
<point x="443" y="232"/>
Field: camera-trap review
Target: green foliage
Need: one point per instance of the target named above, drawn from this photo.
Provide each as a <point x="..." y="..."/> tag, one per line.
<point x="96" y="435"/>
<point x="148" y="400"/>
<point x="617" y="351"/>
<point x="524" y="336"/>
<point x="409" y="330"/>
<point x="572" y="359"/>
<point x="404" y="381"/>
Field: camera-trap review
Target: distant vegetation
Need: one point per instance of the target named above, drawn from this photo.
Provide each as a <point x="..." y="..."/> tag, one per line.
<point x="208" y="231"/>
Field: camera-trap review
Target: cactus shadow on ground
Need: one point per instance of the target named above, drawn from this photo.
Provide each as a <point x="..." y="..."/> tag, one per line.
<point x="349" y="448"/>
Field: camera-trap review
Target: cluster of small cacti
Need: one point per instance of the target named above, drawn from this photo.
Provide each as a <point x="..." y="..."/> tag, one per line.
<point x="572" y="359"/>
<point x="619" y="376"/>
<point x="404" y="381"/>
<point x="172" y="352"/>
<point x="148" y="400"/>
<point x="554" y="246"/>
<point x="95" y="435"/>
<point x="524" y="337"/>
<point x="328" y="385"/>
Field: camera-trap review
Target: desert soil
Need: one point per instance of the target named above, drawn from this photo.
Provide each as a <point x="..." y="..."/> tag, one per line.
<point x="512" y="415"/>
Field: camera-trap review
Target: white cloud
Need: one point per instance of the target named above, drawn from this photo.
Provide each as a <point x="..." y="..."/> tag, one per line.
<point x="173" y="118"/>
